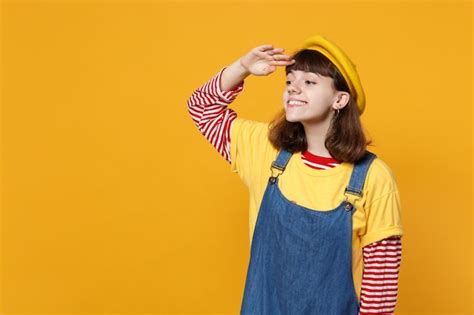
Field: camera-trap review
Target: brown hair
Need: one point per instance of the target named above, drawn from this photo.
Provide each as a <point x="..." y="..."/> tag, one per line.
<point x="345" y="139"/>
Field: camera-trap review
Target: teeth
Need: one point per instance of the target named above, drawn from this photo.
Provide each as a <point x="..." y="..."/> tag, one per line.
<point x="296" y="102"/>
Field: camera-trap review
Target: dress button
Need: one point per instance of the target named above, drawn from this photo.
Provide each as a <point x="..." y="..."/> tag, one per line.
<point x="348" y="206"/>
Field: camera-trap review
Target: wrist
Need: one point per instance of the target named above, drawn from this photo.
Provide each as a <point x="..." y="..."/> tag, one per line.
<point x="243" y="68"/>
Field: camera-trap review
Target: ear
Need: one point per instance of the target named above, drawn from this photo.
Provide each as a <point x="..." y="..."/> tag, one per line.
<point x="341" y="100"/>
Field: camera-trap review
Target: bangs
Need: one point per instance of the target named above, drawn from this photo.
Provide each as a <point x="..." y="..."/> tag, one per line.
<point x="312" y="61"/>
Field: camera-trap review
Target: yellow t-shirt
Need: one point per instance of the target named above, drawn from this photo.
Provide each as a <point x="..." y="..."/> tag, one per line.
<point x="377" y="214"/>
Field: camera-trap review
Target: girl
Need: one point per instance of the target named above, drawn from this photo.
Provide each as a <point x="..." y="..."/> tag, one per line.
<point x="320" y="202"/>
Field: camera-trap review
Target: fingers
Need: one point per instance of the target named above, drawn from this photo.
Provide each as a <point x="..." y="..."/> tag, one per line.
<point x="275" y="51"/>
<point x="281" y="63"/>
<point x="264" y="47"/>
<point x="281" y="60"/>
<point x="275" y="55"/>
<point x="283" y="57"/>
<point x="269" y="49"/>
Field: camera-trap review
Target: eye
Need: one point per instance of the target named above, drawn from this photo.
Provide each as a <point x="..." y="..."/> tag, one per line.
<point x="288" y="82"/>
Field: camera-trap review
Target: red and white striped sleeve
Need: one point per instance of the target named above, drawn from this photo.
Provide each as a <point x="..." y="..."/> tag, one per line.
<point x="208" y="109"/>
<point x="379" y="288"/>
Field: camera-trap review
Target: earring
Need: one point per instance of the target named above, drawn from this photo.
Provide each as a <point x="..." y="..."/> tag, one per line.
<point x="337" y="113"/>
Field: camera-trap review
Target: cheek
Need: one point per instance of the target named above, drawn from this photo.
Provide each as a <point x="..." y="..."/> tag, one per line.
<point x="320" y="98"/>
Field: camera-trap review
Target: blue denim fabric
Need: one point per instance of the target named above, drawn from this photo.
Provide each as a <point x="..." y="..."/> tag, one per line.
<point x="301" y="258"/>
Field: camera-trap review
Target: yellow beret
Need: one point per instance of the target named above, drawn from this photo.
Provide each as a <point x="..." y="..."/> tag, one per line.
<point x="342" y="63"/>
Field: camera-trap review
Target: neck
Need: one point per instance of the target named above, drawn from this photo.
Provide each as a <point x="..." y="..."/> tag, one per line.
<point x="315" y="137"/>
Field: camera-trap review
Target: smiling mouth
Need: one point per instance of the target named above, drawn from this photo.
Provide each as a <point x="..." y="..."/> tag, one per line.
<point x="296" y="105"/>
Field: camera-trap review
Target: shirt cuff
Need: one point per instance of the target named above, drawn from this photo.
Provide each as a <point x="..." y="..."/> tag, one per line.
<point x="380" y="235"/>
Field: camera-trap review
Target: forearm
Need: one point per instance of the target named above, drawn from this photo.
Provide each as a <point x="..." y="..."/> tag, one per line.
<point x="208" y="106"/>
<point x="233" y="75"/>
<point x="379" y="289"/>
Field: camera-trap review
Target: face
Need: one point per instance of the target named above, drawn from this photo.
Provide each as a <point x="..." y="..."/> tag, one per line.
<point x="316" y="92"/>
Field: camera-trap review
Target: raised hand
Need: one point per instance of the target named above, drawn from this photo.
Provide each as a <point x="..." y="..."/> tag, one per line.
<point x="263" y="60"/>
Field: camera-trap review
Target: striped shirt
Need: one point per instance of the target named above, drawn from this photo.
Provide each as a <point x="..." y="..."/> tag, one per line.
<point x="208" y="107"/>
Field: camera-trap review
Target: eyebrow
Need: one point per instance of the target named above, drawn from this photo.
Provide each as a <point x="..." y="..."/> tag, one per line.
<point x="306" y="72"/>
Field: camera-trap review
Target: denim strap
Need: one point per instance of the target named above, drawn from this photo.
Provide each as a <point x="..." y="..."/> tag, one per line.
<point x="359" y="174"/>
<point x="282" y="159"/>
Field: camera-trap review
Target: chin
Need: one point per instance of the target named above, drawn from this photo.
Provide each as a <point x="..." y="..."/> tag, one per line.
<point x="292" y="119"/>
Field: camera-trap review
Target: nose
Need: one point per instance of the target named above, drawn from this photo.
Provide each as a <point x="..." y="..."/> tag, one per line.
<point x="292" y="88"/>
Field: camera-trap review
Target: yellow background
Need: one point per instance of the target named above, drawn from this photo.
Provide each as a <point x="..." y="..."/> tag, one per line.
<point x="113" y="202"/>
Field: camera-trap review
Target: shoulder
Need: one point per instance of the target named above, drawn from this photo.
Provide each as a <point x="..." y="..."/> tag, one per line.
<point x="380" y="180"/>
<point x="240" y="123"/>
<point x="248" y="131"/>
<point x="379" y="170"/>
<point x="381" y="204"/>
<point x="249" y="145"/>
